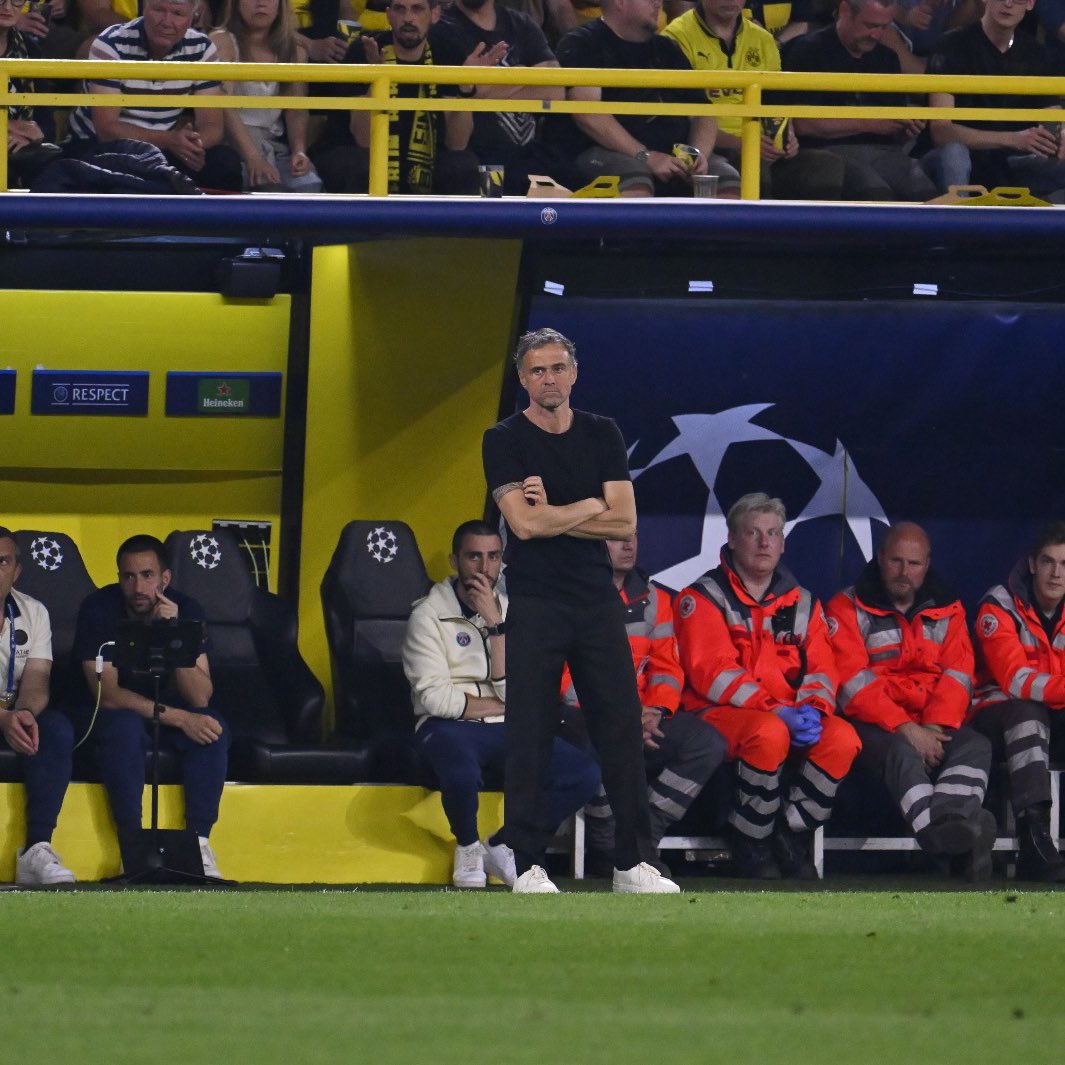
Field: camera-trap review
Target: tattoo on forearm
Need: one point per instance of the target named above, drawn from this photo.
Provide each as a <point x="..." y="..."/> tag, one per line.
<point x="503" y="489"/>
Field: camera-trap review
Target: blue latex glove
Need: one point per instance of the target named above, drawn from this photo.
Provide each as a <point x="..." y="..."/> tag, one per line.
<point x="804" y="724"/>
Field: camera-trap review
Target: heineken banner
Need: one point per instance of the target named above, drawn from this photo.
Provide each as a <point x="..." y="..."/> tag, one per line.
<point x="215" y="394"/>
<point x="854" y="414"/>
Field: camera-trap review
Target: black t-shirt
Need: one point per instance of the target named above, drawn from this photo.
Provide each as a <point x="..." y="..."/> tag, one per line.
<point x="968" y="51"/>
<point x="596" y="45"/>
<point x="98" y="620"/>
<point x="528" y="47"/>
<point x="822" y="51"/>
<point x="574" y="465"/>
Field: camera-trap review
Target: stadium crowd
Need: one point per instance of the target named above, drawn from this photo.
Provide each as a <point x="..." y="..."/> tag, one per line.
<point x="175" y="149"/>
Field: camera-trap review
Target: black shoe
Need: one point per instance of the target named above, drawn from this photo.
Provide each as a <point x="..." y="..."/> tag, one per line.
<point x="752" y="859"/>
<point x="950" y="835"/>
<point x="1037" y="856"/>
<point x="794" y="853"/>
<point x="976" y="865"/>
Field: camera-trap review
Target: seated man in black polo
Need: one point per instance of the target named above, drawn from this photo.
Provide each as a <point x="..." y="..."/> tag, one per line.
<point x="198" y="736"/>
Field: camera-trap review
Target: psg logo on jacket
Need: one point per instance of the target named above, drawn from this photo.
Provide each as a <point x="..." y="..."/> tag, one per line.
<point x="463" y="639"/>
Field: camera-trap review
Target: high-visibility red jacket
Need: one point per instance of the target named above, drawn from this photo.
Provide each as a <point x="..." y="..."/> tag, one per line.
<point x="649" y="627"/>
<point x="761" y="656"/>
<point x="895" y="668"/>
<point x="1017" y="660"/>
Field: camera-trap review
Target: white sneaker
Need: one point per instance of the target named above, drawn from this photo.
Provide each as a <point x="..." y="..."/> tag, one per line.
<point x="643" y="879"/>
<point x="534" y="882"/>
<point x="40" y="865"/>
<point x="210" y="862"/>
<point x="499" y="862"/>
<point x="468" y="870"/>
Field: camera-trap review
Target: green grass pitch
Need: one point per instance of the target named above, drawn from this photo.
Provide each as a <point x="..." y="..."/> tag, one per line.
<point x="353" y="976"/>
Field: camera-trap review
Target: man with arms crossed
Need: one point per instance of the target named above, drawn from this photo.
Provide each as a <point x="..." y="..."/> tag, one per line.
<point x="560" y="477"/>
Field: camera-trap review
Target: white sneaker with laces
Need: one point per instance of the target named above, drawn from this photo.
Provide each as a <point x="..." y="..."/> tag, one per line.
<point x="534" y="882"/>
<point x="499" y="862"/>
<point x="210" y="862"/>
<point x="39" y="865"/>
<point x="643" y="879"/>
<point x="468" y="870"/>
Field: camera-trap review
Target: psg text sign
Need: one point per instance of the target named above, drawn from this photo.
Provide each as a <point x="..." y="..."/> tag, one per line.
<point x="7" y="391"/>
<point x="90" y="392"/>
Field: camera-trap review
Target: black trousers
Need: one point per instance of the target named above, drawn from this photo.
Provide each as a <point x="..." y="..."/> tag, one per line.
<point x="542" y="634"/>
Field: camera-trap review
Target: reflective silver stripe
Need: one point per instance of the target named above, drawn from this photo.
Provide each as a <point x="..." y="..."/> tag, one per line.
<point x="815" y="810"/>
<point x="1032" y="756"/>
<point x="669" y="806"/>
<point x="884" y="656"/>
<point x="964" y="772"/>
<point x="743" y="694"/>
<point x="664" y="678"/>
<point x="1059" y="641"/>
<point x="1039" y="687"/>
<point x="749" y="828"/>
<point x="859" y="681"/>
<point x="1018" y="680"/>
<point x="1026" y="729"/>
<point x="915" y="794"/>
<point x="935" y="631"/>
<point x="802" y="614"/>
<point x="722" y="682"/>
<point x="768" y="807"/>
<point x="884" y="638"/>
<point x="757" y="777"/>
<point x="663" y="631"/>
<point x="958" y="789"/>
<point x="678" y="783"/>
<point x="961" y="678"/>
<point x="922" y="820"/>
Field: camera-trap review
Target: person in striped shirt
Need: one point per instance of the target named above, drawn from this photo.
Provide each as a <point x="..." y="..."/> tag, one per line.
<point x="163" y="33"/>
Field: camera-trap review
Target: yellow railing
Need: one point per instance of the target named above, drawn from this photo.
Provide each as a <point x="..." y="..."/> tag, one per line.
<point x="378" y="102"/>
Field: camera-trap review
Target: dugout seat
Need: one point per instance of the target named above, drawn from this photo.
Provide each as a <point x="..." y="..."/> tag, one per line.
<point x="54" y="573"/>
<point x="262" y="686"/>
<point x="374" y="576"/>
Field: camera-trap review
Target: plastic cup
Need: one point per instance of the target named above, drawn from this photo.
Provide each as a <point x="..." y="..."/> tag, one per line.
<point x="704" y="186"/>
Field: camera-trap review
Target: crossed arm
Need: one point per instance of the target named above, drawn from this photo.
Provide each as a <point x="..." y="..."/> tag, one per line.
<point x="529" y="515"/>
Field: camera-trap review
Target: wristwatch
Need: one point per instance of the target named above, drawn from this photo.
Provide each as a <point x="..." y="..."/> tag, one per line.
<point x="467" y="90"/>
<point x="642" y="155"/>
<point x="496" y="630"/>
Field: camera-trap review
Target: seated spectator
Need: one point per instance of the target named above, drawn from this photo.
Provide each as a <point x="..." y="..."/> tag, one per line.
<point x="195" y="733"/>
<point x="427" y="150"/>
<point x="54" y="27"/>
<point x="681" y="751"/>
<point x="555" y="17"/>
<point x="875" y="151"/>
<point x="163" y="32"/>
<point x="919" y="27"/>
<point x="42" y="737"/>
<point x="272" y="144"/>
<point x="28" y="152"/>
<point x="502" y="36"/>
<point x="1020" y="637"/>
<point x="715" y="35"/>
<point x="758" y="667"/>
<point x="996" y="153"/>
<point x="906" y="680"/>
<point x="636" y="148"/>
<point x="454" y="656"/>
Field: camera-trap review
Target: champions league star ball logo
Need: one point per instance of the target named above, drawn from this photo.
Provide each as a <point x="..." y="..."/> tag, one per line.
<point x="713" y="441"/>
<point x="382" y="544"/>
<point x="205" y="551"/>
<point x="46" y="552"/>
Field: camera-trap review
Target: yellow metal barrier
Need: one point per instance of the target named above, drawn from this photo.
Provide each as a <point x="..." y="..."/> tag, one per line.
<point x="754" y="85"/>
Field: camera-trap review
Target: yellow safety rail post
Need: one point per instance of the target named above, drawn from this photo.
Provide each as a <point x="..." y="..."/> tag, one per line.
<point x="379" y="102"/>
<point x="751" y="146"/>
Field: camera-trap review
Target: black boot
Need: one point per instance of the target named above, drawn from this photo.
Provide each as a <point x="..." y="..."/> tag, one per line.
<point x="1037" y="855"/>
<point x="976" y="865"/>
<point x="752" y="859"/>
<point x="794" y="853"/>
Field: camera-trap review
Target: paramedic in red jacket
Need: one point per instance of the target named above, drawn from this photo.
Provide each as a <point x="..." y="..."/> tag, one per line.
<point x="905" y="665"/>
<point x="1020" y="637"/>
<point x="758" y="667"/>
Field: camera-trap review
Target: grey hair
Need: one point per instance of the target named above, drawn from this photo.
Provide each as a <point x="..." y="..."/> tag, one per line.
<point x="758" y="503"/>
<point x="540" y="338"/>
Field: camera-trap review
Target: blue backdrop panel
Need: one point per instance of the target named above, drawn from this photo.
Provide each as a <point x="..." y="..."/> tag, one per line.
<point x="855" y="414"/>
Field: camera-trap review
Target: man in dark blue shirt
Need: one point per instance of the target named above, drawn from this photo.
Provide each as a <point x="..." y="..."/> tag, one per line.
<point x="199" y="737"/>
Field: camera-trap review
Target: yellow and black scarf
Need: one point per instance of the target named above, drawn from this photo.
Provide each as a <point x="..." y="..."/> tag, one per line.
<point x="421" y="145"/>
<point x="16" y="49"/>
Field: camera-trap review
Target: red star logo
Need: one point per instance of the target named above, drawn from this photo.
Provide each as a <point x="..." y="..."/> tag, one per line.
<point x="224" y="389"/>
